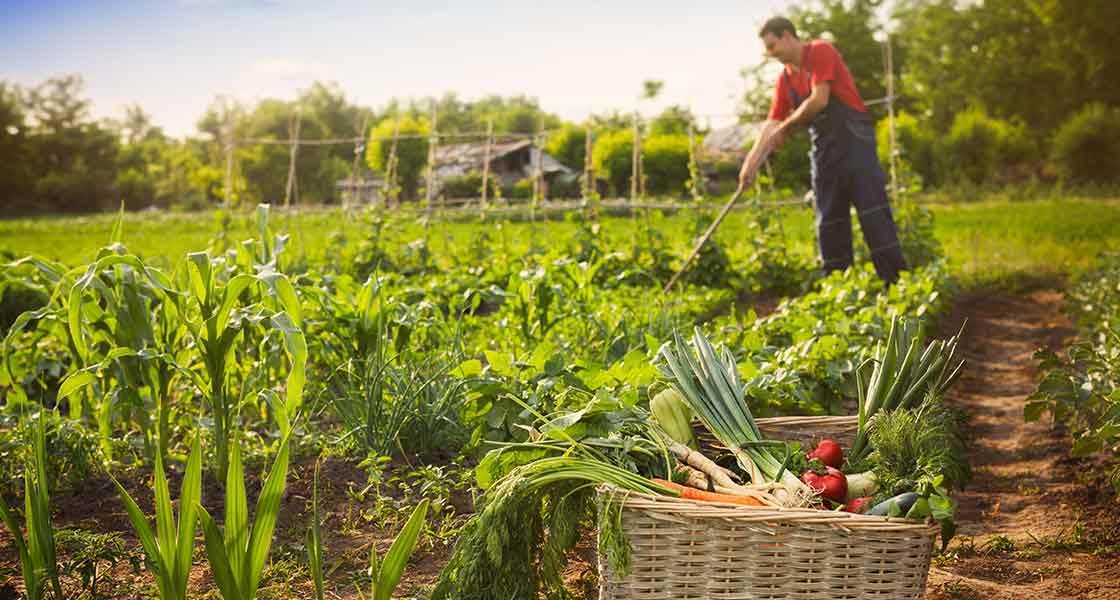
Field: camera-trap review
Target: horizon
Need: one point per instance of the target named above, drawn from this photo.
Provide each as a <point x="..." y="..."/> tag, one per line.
<point x="274" y="49"/>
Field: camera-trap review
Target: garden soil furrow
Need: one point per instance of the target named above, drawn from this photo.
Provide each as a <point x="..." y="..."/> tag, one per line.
<point x="1030" y="526"/>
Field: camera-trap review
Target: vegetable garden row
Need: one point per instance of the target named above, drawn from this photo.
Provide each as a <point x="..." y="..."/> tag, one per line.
<point x="537" y="361"/>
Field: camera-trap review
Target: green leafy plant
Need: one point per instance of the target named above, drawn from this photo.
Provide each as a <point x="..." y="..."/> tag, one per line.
<point x="238" y="555"/>
<point x="170" y="547"/>
<point x="37" y="558"/>
<point x="385" y="574"/>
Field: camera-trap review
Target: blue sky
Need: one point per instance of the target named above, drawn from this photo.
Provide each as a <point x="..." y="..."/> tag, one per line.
<point x="577" y="57"/>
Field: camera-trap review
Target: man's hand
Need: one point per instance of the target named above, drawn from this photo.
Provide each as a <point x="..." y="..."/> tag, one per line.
<point x="771" y="136"/>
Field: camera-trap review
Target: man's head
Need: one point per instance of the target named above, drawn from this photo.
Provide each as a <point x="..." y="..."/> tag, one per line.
<point x="780" y="38"/>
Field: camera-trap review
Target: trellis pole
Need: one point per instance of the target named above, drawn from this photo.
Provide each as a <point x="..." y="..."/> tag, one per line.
<point x="293" y="131"/>
<point x="359" y="149"/>
<point x="391" y="171"/>
<point x="538" y="173"/>
<point x="430" y="184"/>
<point x="888" y="63"/>
<point x="588" y="168"/>
<point x="229" y="160"/>
<point x="635" y="160"/>
<point x="483" y="202"/>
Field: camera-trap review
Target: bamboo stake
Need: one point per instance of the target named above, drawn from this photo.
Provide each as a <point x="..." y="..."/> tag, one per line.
<point x="293" y="130"/>
<point x="229" y="161"/>
<point x="704" y="239"/>
<point x="391" y="168"/>
<point x="359" y="149"/>
<point x="430" y="184"/>
<point x="588" y="169"/>
<point x="486" y="166"/>
<point x="890" y="120"/>
<point x="634" y="161"/>
<point x="542" y="188"/>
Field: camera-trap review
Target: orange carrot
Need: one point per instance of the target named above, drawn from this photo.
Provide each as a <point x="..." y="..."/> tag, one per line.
<point x="691" y="493"/>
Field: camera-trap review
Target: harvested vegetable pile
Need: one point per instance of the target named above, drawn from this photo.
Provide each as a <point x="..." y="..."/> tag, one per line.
<point x="906" y="455"/>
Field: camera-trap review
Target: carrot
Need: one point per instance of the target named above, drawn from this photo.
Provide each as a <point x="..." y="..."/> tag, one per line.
<point x="690" y="493"/>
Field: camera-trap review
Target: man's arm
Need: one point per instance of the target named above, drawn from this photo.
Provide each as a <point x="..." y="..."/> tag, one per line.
<point x="774" y="132"/>
<point x="810" y="108"/>
<point x="769" y="138"/>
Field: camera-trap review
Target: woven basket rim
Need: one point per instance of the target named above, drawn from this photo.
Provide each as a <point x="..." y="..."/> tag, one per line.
<point x="737" y="512"/>
<point x="810" y="421"/>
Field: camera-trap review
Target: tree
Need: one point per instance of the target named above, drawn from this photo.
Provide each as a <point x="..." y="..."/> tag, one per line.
<point x="72" y="158"/>
<point x="568" y="145"/>
<point x="15" y="168"/>
<point x="851" y="26"/>
<point x="613" y="158"/>
<point x="411" y="151"/>
<point x="673" y="120"/>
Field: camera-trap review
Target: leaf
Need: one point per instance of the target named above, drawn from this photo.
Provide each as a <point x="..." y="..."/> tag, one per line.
<point x="1033" y="411"/>
<point x="237" y="515"/>
<point x="467" y="369"/>
<point x="500" y="363"/>
<point x="397" y="557"/>
<point x="216" y="554"/>
<point x="267" y="513"/>
<point x="147" y="538"/>
<point x="1086" y="445"/>
<point x="75" y="382"/>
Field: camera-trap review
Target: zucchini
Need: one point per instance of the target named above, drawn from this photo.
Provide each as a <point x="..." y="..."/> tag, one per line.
<point x="900" y="503"/>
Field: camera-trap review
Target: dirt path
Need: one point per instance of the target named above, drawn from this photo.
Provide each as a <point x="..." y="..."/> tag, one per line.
<point x="1030" y="527"/>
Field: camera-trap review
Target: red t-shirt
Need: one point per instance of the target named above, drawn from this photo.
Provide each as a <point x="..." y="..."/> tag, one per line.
<point x="819" y="62"/>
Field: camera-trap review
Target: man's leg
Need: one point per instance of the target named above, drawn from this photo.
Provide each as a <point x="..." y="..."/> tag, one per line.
<point x="834" y="224"/>
<point x="869" y="194"/>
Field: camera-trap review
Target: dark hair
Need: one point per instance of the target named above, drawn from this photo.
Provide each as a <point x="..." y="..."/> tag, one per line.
<point x="777" y="26"/>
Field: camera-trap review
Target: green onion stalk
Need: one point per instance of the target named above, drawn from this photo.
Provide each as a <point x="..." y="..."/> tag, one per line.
<point x="714" y="390"/>
<point x="905" y="372"/>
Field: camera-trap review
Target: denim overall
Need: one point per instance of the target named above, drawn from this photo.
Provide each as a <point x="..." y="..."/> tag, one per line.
<point x="846" y="172"/>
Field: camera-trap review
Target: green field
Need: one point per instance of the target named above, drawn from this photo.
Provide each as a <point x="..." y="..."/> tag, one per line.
<point x="983" y="241"/>
<point x="419" y="362"/>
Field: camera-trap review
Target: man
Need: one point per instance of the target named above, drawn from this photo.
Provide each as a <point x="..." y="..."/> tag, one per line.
<point x="816" y="89"/>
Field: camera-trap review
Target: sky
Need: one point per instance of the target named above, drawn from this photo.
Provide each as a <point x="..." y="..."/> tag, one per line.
<point x="578" y="57"/>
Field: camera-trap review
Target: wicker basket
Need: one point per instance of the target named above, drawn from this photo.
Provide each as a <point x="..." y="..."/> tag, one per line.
<point x="683" y="549"/>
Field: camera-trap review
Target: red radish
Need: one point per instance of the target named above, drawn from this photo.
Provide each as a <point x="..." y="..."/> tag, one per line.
<point x="859" y="505"/>
<point x="828" y="452"/>
<point x="832" y="484"/>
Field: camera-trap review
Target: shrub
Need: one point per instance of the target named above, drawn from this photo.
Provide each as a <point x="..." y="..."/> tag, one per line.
<point x="613" y="158"/>
<point x="469" y="186"/>
<point x="569" y="146"/>
<point x="665" y="162"/>
<point x="564" y="186"/>
<point x="522" y="190"/>
<point x="980" y="148"/>
<point x="17" y="298"/>
<point x="916" y="145"/>
<point x="412" y="151"/>
<point x="1087" y="146"/>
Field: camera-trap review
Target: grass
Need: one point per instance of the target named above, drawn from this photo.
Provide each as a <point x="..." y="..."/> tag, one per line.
<point x="1014" y="244"/>
<point x="997" y="242"/>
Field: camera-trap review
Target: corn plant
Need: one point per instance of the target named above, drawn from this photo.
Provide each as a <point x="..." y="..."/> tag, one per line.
<point x="170" y="547"/>
<point x="37" y="558"/>
<point x="386" y="573"/>
<point x="315" y="540"/>
<point x="237" y="556"/>
<point x="113" y="322"/>
<point x="216" y="286"/>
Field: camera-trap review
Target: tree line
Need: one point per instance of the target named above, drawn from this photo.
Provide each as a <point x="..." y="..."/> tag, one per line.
<point x="991" y="92"/>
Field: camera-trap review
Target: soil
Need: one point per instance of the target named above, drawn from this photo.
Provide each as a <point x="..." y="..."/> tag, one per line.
<point x="1032" y="525"/>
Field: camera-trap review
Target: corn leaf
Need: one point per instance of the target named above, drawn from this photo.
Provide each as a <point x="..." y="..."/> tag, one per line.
<point x="216" y="554"/>
<point x="264" y="521"/>
<point x="397" y="557"/>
